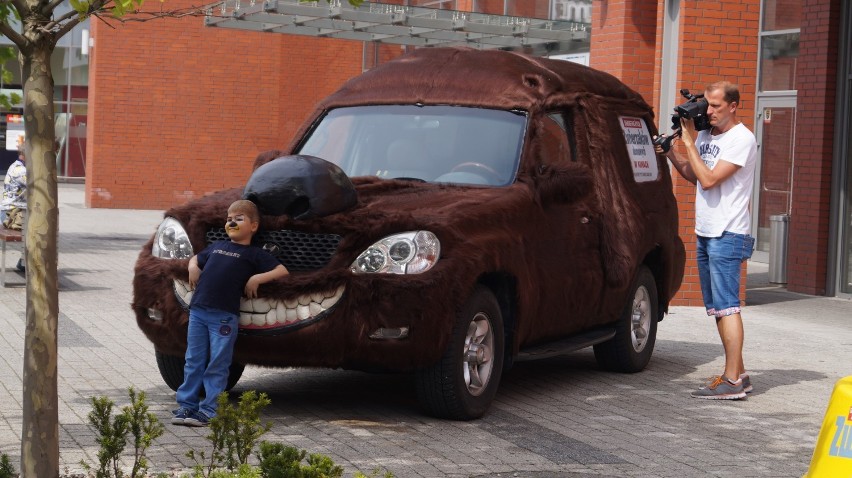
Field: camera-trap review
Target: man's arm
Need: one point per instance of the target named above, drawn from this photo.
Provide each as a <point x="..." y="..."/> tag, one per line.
<point x="708" y="178"/>
<point x="682" y="166"/>
<point x="257" y="279"/>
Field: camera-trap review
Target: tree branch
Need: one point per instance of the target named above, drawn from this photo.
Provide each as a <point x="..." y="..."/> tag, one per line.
<point x="19" y="40"/>
<point x="53" y="23"/>
<point x="64" y="29"/>
<point x="144" y="16"/>
<point x="20" y="6"/>
<point x="51" y="6"/>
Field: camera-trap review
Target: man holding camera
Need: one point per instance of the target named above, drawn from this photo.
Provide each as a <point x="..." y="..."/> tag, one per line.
<point x="721" y="161"/>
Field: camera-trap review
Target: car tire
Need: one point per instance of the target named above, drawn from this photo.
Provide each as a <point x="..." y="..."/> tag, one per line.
<point x="462" y="384"/>
<point x="171" y="369"/>
<point x="630" y="350"/>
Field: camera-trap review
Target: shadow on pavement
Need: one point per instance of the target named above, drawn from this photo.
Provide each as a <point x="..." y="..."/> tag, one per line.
<point x="759" y="291"/>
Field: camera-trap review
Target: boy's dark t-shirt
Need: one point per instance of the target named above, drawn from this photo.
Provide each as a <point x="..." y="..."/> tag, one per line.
<point x="227" y="266"/>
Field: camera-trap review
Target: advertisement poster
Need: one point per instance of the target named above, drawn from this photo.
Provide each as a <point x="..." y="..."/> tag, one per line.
<point x="643" y="159"/>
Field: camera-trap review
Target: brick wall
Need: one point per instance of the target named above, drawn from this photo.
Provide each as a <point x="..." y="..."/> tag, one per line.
<point x="807" y="254"/>
<point x="624" y="42"/>
<point x="179" y="110"/>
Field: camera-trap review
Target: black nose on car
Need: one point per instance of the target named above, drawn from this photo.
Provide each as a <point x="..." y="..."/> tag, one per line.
<point x="301" y="187"/>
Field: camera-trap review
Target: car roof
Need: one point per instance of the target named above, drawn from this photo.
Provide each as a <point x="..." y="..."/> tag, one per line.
<point x="484" y="78"/>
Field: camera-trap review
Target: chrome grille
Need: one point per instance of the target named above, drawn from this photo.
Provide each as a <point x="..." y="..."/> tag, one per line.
<point x="298" y="251"/>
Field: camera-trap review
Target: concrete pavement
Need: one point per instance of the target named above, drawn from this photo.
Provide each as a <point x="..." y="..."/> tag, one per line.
<point x="552" y="418"/>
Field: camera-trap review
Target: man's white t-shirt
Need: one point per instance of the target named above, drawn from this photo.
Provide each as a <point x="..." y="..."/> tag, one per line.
<point x="726" y="206"/>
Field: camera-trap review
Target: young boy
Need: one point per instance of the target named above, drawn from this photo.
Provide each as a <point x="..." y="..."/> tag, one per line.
<point x="221" y="273"/>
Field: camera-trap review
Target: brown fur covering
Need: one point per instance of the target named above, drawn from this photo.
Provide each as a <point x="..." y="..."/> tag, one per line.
<point x="560" y="245"/>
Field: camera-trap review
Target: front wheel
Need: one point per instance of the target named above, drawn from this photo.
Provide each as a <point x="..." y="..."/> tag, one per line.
<point x="171" y="369"/>
<point x="636" y="330"/>
<point x="462" y="385"/>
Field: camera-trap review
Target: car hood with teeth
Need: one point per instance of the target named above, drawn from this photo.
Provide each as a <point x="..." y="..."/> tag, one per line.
<point x="447" y="214"/>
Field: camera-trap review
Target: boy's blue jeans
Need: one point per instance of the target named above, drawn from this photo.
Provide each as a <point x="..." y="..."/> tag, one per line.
<point x="719" y="262"/>
<point x="209" y="349"/>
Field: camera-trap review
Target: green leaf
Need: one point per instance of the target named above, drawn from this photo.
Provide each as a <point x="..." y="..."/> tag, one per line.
<point x="80" y="6"/>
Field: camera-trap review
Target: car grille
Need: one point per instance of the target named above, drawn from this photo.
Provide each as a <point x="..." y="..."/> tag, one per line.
<point x="298" y="251"/>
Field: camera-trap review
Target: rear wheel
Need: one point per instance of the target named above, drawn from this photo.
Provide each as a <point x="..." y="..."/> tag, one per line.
<point x="462" y="385"/>
<point x="636" y="331"/>
<point x="171" y="369"/>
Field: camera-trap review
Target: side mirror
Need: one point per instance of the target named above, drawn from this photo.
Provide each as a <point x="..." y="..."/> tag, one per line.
<point x="563" y="183"/>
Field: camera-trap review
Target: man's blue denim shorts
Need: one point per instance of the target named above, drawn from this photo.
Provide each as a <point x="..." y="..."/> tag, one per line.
<point x="719" y="262"/>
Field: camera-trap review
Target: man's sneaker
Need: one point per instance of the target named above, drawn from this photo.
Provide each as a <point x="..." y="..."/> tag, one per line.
<point x="196" y="419"/>
<point x="721" y="389"/>
<point x="747" y="388"/>
<point x="180" y="416"/>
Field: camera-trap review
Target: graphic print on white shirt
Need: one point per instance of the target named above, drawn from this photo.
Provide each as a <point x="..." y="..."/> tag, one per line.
<point x="725" y="207"/>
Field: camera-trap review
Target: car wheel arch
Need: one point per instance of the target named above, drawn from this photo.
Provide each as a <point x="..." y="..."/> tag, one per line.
<point x="504" y="286"/>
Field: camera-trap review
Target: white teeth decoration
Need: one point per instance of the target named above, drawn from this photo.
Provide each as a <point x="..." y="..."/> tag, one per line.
<point x="269" y="313"/>
<point x="260" y="306"/>
<point x="290" y="317"/>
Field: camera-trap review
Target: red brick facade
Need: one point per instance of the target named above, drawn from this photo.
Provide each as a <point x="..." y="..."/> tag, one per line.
<point x="178" y="110"/>
<point x="807" y="257"/>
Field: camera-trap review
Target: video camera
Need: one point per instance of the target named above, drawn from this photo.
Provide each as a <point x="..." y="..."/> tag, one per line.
<point x="695" y="108"/>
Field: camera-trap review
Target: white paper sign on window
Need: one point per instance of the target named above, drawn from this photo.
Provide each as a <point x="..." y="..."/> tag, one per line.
<point x="643" y="159"/>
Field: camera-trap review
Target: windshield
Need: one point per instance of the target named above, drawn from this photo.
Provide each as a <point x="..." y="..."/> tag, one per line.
<point x="445" y="144"/>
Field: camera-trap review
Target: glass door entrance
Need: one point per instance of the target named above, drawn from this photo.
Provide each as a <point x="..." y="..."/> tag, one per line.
<point x="775" y="133"/>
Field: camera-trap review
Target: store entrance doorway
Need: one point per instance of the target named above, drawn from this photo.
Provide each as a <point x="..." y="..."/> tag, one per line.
<point x="775" y="132"/>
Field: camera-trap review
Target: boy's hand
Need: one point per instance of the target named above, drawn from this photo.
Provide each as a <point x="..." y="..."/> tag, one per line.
<point x="194" y="272"/>
<point x="252" y="285"/>
<point x="257" y="279"/>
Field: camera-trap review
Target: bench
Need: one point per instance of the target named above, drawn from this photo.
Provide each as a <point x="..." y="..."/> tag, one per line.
<point x="7" y="235"/>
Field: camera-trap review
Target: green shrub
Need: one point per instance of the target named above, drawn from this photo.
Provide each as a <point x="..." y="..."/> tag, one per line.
<point x="280" y="461"/>
<point x="6" y="468"/>
<point x="234" y="433"/>
<point x="112" y="434"/>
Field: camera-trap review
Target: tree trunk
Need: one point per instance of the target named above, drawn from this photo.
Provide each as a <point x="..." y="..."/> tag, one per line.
<point x="40" y="433"/>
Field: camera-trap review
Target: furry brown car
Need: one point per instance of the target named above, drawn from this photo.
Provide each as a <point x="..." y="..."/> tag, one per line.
<point x="446" y="213"/>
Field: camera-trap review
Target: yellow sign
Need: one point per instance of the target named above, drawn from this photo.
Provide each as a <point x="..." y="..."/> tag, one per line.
<point x="833" y="453"/>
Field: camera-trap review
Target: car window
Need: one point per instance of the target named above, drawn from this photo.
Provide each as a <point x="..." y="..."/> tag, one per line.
<point x="563" y="139"/>
<point x="449" y="144"/>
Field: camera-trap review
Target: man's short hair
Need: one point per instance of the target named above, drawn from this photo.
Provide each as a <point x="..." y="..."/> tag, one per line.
<point x="246" y="207"/>
<point x="732" y="91"/>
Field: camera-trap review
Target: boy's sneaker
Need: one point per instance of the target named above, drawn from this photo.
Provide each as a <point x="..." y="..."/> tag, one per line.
<point x="180" y="416"/>
<point x="721" y="389"/>
<point x="196" y="419"/>
<point x="747" y="388"/>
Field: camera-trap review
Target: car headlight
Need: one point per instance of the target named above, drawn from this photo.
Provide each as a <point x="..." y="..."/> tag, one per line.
<point x="171" y="241"/>
<point x="406" y="253"/>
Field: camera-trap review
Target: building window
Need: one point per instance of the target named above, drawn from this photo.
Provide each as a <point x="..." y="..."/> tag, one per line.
<point x="779" y="44"/>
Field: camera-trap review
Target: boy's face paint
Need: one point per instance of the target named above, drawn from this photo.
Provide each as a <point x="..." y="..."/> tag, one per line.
<point x="239" y="226"/>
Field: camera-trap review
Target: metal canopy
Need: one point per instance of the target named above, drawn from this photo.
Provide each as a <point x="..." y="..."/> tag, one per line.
<point x="386" y="23"/>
